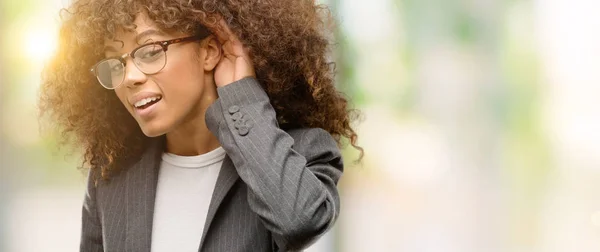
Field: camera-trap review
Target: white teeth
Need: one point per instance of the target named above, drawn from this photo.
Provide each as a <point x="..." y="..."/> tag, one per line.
<point x="145" y="101"/>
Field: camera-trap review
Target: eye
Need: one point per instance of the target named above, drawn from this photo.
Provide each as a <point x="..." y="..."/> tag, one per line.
<point x="116" y="67"/>
<point x="149" y="53"/>
<point x="110" y="66"/>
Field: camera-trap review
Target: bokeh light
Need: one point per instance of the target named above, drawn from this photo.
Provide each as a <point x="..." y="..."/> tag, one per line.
<point x="40" y="43"/>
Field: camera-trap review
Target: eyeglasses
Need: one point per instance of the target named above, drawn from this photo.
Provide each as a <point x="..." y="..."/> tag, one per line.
<point x="149" y="58"/>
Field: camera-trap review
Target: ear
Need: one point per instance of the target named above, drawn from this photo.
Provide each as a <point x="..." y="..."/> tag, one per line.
<point x="212" y="52"/>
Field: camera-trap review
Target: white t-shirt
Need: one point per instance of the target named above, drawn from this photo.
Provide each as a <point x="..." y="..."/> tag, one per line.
<point x="184" y="190"/>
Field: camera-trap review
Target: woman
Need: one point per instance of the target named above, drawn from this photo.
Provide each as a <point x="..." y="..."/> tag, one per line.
<point x="207" y="125"/>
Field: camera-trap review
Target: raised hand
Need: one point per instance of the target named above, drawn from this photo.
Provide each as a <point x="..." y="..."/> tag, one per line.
<point x="235" y="64"/>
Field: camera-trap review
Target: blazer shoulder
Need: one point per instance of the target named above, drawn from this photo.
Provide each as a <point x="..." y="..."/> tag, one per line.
<point x="148" y="157"/>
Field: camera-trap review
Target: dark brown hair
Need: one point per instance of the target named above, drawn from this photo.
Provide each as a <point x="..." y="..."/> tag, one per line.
<point x="287" y="39"/>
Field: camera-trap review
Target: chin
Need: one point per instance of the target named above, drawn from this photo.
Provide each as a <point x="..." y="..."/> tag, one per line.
<point x="151" y="130"/>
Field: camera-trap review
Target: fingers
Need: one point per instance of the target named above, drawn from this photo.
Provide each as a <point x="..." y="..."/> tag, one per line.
<point x="234" y="51"/>
<point x="227" y="48"/>
<point x="230" y="48"/>
<point x="231" y="43"/>
<point x="220" y="32"/>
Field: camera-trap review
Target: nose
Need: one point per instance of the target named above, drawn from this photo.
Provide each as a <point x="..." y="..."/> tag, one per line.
<point x="133" y="75"/>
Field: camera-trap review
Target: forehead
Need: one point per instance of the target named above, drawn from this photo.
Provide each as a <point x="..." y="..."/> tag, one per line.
<point x="143" y="27"/>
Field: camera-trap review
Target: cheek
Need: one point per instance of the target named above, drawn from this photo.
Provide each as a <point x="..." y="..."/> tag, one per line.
<point x="182" y="80"/>
<point x="184" y="64"/>
<point x="180" y="91"/>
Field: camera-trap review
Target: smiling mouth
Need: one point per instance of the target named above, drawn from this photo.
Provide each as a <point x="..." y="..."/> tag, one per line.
<point x="145" y="103"/>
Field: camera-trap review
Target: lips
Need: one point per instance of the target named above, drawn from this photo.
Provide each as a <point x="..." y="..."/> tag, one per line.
<point x="143" y="98"/>
<point x="146" y="102"/>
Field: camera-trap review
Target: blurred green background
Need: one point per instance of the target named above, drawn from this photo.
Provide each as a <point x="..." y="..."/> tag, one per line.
<point x="481" y="126"/>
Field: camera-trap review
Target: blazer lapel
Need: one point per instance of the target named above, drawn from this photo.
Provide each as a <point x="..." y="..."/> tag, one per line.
<point x="142" y="179"/>
<point x="227" y="177"/>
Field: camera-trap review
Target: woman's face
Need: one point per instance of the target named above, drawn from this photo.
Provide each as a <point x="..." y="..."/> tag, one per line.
<point x="178" y="94"/>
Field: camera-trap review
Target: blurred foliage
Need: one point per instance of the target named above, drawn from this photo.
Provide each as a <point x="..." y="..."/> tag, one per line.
<point x="507" y="101"/>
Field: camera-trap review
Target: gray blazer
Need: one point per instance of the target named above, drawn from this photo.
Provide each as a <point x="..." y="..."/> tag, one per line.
<point x="276" y="190"/>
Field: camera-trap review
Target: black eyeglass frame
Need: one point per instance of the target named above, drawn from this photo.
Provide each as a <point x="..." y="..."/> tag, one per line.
<point x="163" y="44"/>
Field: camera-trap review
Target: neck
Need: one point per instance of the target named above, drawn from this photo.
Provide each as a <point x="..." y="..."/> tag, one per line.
<point x="191" y="139"/>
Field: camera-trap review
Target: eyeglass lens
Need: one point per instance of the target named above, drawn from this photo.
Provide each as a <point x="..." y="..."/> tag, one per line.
<point x="149" y="59"/>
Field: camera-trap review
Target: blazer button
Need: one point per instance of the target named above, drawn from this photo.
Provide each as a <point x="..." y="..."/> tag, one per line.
<point x="243" y="130"/>
<point x="236" y="116"/>
<point x="248" y="123"/>
<point x="233" y="109"/>
<point x="239" y="123"/>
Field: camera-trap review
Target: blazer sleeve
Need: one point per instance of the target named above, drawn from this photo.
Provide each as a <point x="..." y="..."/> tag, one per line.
<point x="291" y="180"/>
<point x="91" y="229"/>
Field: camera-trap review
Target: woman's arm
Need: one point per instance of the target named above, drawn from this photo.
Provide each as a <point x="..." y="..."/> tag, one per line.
<point x="292" y="184"/>
<point x="91" y="230"/>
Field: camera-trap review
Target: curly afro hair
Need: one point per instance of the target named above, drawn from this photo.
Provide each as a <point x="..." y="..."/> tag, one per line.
<point x="288" y="40"/>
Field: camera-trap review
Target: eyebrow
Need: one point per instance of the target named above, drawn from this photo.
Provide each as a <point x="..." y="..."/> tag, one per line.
<point x="108" y="48"/>
<point x="147" y="33"/>
<point x="138" y="38"/>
